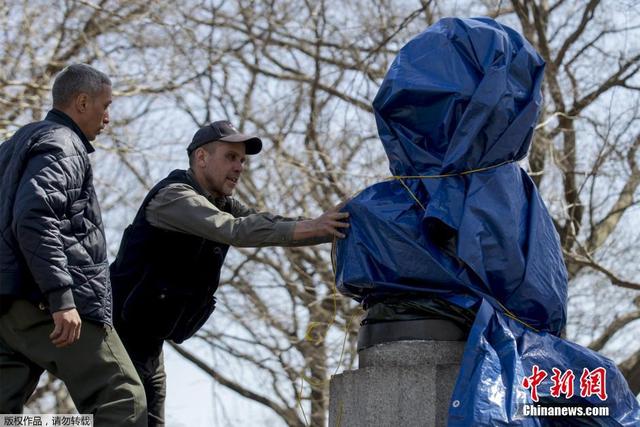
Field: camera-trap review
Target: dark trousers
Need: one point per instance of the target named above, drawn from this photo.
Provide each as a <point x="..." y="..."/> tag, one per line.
<point x="96" y="369"/>
<point x="148" y="359"/>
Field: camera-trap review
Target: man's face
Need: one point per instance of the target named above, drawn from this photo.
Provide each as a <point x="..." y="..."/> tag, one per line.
<point x="221" y="166"/>
<point x="96" y="113"/>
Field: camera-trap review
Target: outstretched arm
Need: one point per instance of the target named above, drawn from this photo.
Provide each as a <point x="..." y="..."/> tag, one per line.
<point x="178" y="207"/>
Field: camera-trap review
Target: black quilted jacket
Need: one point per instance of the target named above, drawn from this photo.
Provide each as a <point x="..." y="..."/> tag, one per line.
<point x="52" y="245"/>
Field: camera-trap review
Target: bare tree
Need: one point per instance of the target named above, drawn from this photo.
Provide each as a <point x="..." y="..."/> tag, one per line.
<point x="302" y="77"/>
<point x="51" y="397"/>
<point x="585" y="159"/>
<point x="303" y="74"/>
<point x="127" y="40"/>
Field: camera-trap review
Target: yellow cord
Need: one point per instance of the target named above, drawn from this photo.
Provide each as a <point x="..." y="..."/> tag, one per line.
<point x="514" y="317"/>
<point x="308" y="337"/>
<point x="446" y="175"/>
<point x="412" y="195"/>
<point x="401" y="179"/>
<point x="308" y="334"/>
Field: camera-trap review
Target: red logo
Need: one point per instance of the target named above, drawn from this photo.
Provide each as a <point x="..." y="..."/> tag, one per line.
<point x="562" y="384"/>
<point x="534" y="381"/>
<point x="594" y="382"/>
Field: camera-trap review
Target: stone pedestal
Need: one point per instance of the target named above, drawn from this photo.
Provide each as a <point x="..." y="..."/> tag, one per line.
<point x="398" y="383"/>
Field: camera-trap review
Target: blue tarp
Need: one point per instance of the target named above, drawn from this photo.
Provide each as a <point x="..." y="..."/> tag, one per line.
<point x="463" y="222"/>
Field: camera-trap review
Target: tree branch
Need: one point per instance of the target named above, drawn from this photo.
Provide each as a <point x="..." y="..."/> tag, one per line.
<point x="612" y="328"/>
<point x="285" y="413"/>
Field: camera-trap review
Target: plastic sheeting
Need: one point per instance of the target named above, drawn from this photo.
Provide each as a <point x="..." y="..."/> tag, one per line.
<point x="500" y="352"/>
<point x="462" y="222"/>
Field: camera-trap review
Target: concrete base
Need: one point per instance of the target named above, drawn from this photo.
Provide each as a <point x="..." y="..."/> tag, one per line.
<point x="400" y="383"/>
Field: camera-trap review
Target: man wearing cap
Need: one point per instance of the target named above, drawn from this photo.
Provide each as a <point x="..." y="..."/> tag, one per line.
<point x="169" y="262"/>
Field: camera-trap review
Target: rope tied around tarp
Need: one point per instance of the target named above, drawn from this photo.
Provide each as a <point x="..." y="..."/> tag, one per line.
<point x="401" y="178"/>
<point x="312" y="325"/>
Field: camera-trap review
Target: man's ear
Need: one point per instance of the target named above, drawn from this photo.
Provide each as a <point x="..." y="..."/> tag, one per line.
<point x="82" y="102"/>
<point x="201" y="155"/>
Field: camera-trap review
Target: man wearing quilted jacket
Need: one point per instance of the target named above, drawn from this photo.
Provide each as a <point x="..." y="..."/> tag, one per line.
<point x="55" y="305"/>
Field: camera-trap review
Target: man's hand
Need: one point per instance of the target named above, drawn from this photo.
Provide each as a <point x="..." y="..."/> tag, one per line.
<point x="67" y="327"/>
<point x="328" y="224"/>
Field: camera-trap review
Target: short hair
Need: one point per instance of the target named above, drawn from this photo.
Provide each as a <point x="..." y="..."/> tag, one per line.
<point x="210" y="147"/>
<point x="76" y="79"/>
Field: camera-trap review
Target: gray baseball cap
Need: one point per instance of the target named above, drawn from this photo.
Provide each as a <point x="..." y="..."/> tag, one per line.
<point x="223" y="130"/>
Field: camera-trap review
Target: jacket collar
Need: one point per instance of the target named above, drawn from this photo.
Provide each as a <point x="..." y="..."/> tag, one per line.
<point x="61" y="118"/>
